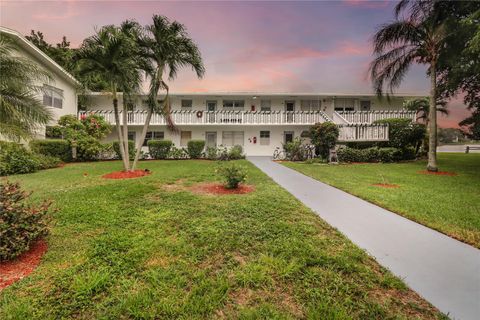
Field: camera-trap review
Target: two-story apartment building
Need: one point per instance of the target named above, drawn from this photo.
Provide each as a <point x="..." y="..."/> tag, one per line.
<point x="259" y="122"/>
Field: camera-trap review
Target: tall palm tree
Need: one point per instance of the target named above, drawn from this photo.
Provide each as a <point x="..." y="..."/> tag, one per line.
<point x="167" y="48"/>
<point x="415" y="36"/>
<point x="21" y="112"/>
<point x="422" y="107"/>
<point x="112" y="55"/>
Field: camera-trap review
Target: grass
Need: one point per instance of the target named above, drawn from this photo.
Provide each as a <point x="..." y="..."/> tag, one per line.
<point x="149" y="248"/>
<point x="449" y="204"/>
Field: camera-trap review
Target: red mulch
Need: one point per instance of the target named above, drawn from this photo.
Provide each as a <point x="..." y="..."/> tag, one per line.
<point x="23" y="265"/>
<point x="219" y="189"/>
<point x="126" y="174"/>
<point x="386" y="185"/>
<point x="438" y="173"/>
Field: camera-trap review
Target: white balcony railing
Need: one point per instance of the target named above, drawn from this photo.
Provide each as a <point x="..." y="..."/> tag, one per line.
<point x="195" y="117"/>
<point x="372" y="116"/>
<point x="363" y="132"/>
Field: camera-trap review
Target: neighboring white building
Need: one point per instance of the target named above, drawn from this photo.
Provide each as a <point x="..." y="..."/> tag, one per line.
<point x="260" y="122"/>
<point x="60" y="93"/>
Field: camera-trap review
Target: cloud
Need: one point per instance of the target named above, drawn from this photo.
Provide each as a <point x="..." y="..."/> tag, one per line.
<point x="370" y="4"/>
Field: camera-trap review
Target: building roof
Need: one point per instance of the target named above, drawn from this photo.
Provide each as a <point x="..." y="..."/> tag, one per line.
<point x="276" y="94"/>
<point x="40" y="55"/>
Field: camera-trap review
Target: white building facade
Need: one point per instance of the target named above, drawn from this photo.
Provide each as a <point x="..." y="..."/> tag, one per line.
<point x="259" y="122"/>
<point x="59" y="93"/>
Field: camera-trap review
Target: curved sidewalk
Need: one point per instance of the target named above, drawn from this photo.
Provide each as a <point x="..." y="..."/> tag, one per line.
<point x="444" y="271"/>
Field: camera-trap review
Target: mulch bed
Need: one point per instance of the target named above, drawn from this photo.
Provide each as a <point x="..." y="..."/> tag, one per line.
<point x="23" y="265"/>
<point x="219" y="189"/>
<point x="386" y="185"/>
<point x="438" y="173"/>
<point x="126" y="174"/>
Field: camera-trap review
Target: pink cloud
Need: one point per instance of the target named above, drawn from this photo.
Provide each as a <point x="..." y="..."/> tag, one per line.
<point x="372" y="4"/>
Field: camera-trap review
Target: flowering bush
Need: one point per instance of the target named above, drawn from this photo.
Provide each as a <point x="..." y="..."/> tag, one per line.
<point x="20" y="224"/>
<point x="233" y="175"/>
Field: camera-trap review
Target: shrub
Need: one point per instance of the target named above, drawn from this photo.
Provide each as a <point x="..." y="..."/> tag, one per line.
<point x="177" y="153"/>
<point x="211" y="153"/>
<point x="131" y="149"/>
<point x="53" y="132"/>
<point x="195" y="148"/>
<point x="96" y="126"/>
<point x="294" y="150"/>
<point x="236" y="153"/>
<point x="223" y="154"/>
<point x="403" y="133"/>
<point x="53" y="147"/>
<point x="15" y="159"/>
<point x="324" y="136"/>
<point x="375" y="154"/>
<point x="233" y="175"/>
<point x="88" y="149"/>
<point x="47" y="162"/>
<point x="159" y="149"/>
<point x="20" y="224"/>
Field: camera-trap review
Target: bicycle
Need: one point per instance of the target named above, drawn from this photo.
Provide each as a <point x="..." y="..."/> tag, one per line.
<point x="278" y="154"/>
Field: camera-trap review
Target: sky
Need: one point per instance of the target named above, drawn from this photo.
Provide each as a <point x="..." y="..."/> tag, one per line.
<point x="274" y="46"/>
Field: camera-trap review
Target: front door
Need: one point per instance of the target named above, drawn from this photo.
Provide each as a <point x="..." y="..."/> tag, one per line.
<point x="211" y="139"/>
<point x="287" y="136"/>
<point x="290" y="109"/>
<point x="211" y="108"/>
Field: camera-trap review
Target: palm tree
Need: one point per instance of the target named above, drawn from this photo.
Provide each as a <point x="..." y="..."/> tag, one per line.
<point x="21" y="112"/>
<point x="112" y="55"/>
<point x="416" y="37"/>
<point x="422" y="106"/>
<point x="167" y="48"/>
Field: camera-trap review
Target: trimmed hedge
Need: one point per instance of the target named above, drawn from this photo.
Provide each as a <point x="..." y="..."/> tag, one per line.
<point x="131" y="149"/>
<point x="375" y="154"/>
<point x="195" y="148"/>
<point x="53" y="147"/>
<point x="159" y="149"/>
<point x="16" y="159"/>
<point x="403" y="133"/>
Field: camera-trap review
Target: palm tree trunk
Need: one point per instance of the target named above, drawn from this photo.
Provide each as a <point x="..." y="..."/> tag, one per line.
<point x="144" y="134"/>
<point x="119" y="131"/>
<point x="432" y="122"/>
<point x="125" y="136"/>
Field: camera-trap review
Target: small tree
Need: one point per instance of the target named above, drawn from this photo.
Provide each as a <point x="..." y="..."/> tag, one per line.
<point x="324" y="137"/>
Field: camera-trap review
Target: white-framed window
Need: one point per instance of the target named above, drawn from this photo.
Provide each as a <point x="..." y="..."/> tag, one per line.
<point x="153" y="135"/>
<point x="266" y="105"/>
<point x="185" y="136"/>
<point x="264" y="138"/>
<point x="233" y="104"/>
<point x="52" y="97"/>
<point x="187" y="103"/>
<point x="232" y="138"/>
<point x="344" y="104"/>
<point x="310" y="105"/>
<point x="132" y="135"/>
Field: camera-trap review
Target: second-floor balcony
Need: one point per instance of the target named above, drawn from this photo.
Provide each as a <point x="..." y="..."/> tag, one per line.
<point x="199" y="117"/>
<point x="366" y="117"/>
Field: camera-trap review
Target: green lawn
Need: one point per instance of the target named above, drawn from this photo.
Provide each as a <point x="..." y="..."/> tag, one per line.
<point x="449" y="204"/>
<point x="149" y="248"/>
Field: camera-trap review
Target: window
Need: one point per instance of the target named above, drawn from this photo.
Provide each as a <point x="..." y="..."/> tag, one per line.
<point x="232" y="138"/>
<point x="264" y="138"/>
<point x="233" y="104"/>
<point x="266" y="105"/>
<point x="344" y="104"/>
<point x="310" y="105"/>
<point x="153" y="135"/>
<point x="185" y="136"/>
<point x="52" y="97"/>
<point x="187" y="103"/>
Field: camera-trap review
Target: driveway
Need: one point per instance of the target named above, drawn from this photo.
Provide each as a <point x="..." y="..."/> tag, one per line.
<point x="444" y="271"/>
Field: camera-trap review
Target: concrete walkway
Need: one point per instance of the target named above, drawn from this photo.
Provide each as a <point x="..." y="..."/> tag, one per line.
<point x="444" y="271"/>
